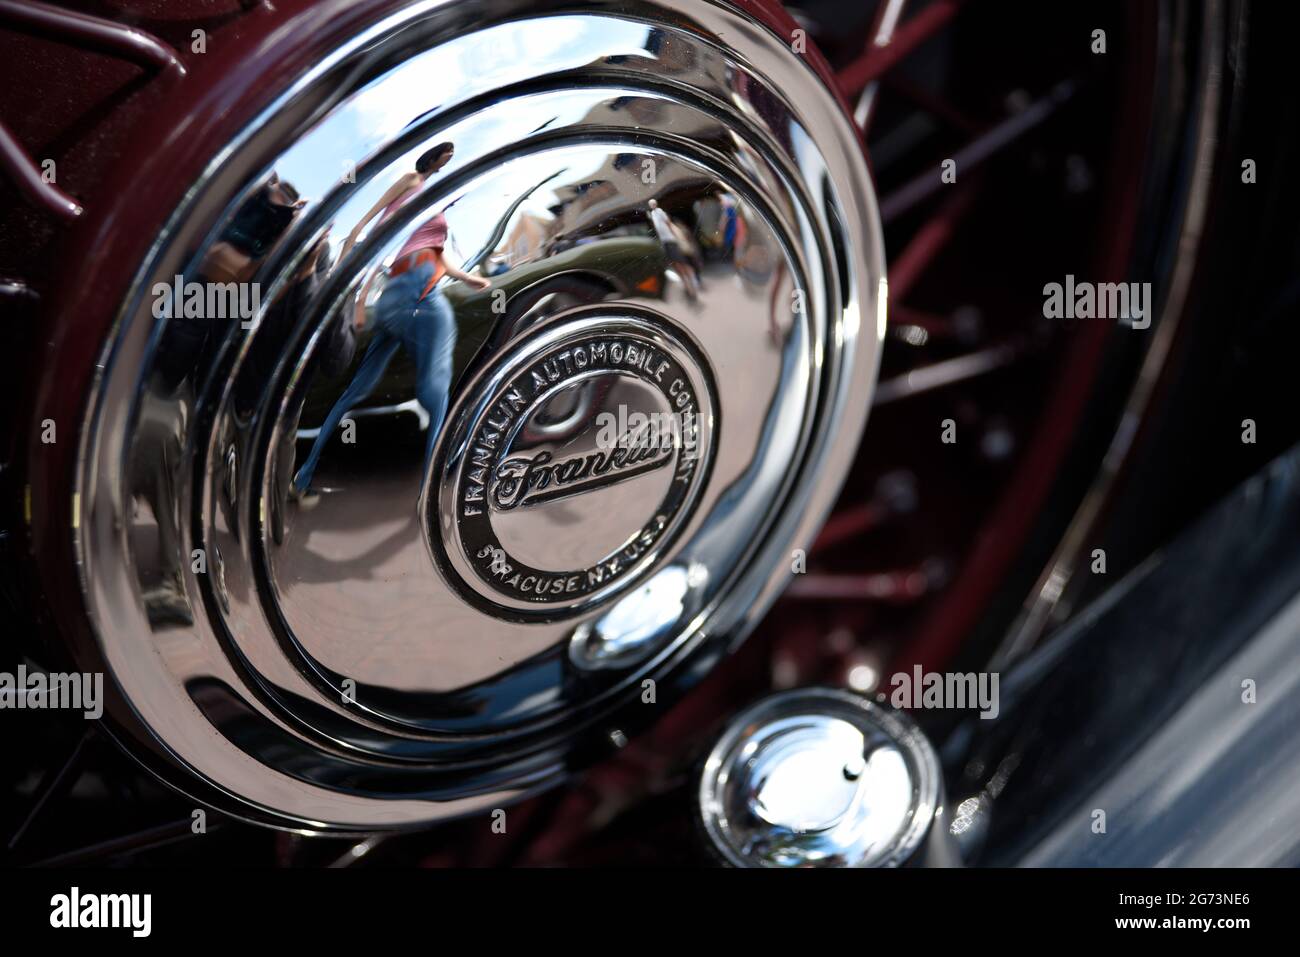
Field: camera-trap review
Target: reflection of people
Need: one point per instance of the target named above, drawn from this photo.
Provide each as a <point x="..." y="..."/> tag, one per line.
<point x="187" y="345"/>
<point x="411" y="313"/>
<point x="234" y="258"/>
<point x="732" y="225"/>
<point x="677" y="256"/>
<point x="278" y="324"/>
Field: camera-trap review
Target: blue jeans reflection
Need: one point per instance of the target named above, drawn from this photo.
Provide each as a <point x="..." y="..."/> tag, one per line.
<point x="426" y="328"/>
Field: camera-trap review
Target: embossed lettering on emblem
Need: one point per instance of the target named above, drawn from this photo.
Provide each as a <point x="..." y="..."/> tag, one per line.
<point x="529" y="480"/>
<point x="536" y="440"/>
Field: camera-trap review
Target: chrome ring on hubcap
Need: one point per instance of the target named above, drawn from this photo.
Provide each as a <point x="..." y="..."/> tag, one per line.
<point x="538" y="497"/>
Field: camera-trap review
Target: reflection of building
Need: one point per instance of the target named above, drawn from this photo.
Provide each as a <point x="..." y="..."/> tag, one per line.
<point x="607" y="201"/>
<point x="584" y="203"/>
<point x="525" y="241"/>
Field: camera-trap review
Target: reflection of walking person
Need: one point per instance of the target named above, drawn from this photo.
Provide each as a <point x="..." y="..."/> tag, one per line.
<point x="677" y="257"/>
<point x="411" y="313"/>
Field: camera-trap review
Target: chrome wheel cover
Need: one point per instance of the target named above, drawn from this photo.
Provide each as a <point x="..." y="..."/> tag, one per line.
<point x="372" y="662"/>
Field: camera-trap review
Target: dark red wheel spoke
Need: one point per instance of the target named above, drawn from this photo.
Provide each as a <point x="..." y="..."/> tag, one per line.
<point x="134" y="843"/>
<point x="69" y="26"/>
<point x="848" y="524"/>
<point x="79" y="29"/>
<point x="939" y="375"/>
<point x="897" y="587"/>
<point x="918" y="328"/>
<point x="54" y="784"/>
<point x="975" y="153"/>
<point x="888" y="16"/>
<point x="894" y="496"/>
<point x="875" y="60"/>
<point x="933" y="104"/>
<point x="26" y="175"/>
<point x="930" y="240"/>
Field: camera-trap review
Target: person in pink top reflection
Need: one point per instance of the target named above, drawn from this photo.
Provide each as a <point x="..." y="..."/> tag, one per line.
<point x="412" y="313"/>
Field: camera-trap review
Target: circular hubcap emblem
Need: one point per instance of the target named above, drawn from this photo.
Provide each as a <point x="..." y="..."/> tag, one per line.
<point x="575" y="464"/>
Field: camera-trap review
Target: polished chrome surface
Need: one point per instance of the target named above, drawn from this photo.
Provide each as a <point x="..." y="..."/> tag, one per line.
<point x="819" y="778"/>
<point x="1164" y="715"/>
<point x="578" y="463"/>
<point x="1214" y="787"/>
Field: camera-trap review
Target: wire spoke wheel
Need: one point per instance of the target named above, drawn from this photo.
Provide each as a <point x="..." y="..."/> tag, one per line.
<point x="1010" y="146"/>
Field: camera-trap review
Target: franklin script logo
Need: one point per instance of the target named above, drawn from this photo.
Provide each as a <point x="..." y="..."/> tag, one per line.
<point x="538" y="440"/>
<point x="525" y="480"/>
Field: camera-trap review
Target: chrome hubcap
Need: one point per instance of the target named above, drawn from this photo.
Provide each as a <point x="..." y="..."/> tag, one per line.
<point x="535" y="507"/>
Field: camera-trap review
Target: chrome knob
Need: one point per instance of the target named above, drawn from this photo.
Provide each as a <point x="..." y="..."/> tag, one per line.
<point x="820" y="778"/>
